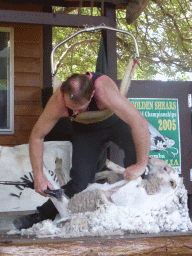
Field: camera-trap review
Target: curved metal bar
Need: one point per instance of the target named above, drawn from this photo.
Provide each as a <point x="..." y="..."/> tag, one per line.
<point x="89" y="29"/>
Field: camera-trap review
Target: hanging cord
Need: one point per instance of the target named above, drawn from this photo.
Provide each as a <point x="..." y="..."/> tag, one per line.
<point x="102" y="11"/>
<point x="92" y="4"/>
<point x="80" y="11"/>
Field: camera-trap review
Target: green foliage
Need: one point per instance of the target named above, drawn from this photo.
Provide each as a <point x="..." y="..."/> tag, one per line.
<point x="163" y="32"/>
<point x="79" y="54"/>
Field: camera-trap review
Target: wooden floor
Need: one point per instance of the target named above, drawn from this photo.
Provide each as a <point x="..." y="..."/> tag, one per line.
<point x="167" y="243"/>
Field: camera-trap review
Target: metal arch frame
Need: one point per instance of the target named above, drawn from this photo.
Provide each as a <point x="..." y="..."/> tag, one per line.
<point x="89" y="29"/>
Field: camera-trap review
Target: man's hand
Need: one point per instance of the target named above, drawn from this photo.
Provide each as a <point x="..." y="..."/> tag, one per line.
<point x="133" y="172"/>
<point x="41" y="184"/>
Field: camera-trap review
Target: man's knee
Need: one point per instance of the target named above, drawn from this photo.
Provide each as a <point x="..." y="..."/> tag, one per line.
<point x="72" y="187"/>
<point x="130" y="156"/>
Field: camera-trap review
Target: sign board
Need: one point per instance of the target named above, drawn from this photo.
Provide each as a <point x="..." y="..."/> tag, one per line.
<point x="163" y="122"/>
<point x="15" y="165"/>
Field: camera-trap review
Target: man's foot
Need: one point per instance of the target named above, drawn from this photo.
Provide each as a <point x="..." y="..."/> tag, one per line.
<point x="27" y="221"/>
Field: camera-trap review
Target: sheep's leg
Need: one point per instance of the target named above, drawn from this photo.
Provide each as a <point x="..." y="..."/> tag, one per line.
<point x="101" y="175"/>
<point x="61" y="176"/>
<point x="115" y="167"/>
<point x="61" y="204"/>
<point x="110" y="192"/>
<point x="111" y="175"/>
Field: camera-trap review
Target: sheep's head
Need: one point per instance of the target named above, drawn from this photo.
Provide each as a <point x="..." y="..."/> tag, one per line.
<point x="159" y="166"/>
<point x="164" y="171"/>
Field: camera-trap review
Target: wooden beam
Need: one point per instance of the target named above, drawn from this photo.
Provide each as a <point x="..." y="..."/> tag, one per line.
<point x="52" y="19"/>
<point x="121" y="4"/>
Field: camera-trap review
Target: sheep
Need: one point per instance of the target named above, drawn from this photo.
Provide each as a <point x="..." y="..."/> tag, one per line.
<point x="122" y="192"/>
<point x="153" y="204"/>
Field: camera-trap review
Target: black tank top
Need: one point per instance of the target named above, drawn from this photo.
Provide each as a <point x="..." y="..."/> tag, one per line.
<point x="92" y="105"/>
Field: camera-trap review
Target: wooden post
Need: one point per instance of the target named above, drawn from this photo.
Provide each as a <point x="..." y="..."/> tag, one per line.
<point x="47" y="48"/>
<point x="110" y="41"/>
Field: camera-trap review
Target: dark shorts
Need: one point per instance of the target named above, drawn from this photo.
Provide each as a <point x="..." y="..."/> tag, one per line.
<point x="88" y="141"/>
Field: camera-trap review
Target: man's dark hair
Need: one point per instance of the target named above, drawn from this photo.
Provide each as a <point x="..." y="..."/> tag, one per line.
<point x="84" y="89"/>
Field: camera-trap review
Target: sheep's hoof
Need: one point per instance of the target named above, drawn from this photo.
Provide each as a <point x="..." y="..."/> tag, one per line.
<point x="63" y="220"/>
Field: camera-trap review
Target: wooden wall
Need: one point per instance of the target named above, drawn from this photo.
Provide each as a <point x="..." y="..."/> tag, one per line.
<point x="28" y="80"/>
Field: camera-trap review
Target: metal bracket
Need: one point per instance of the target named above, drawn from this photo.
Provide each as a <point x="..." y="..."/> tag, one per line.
<point x="90" y="29"/>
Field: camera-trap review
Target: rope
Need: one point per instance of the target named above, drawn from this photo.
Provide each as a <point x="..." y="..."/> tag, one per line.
<point x="79" y="11"/>
<point x="102" y="10"/>
<point x="97" y="116"/>
<point x="92" y="4"/>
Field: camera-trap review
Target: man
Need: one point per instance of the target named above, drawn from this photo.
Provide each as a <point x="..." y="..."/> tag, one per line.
<point x="126" y="127"/>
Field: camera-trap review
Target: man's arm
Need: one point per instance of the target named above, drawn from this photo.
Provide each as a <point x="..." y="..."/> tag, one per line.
<point x="122" y="107"/>
<point x="51" y="114"/>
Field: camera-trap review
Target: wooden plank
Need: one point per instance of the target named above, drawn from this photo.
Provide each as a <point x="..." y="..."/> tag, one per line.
<point x="20" y="5"/>
<point x="86" y="3"/>
<point x="28" y="109"/>
<point x="27" y="94"/>
<point x="27" y="65"/>
<point x="27" y="79"/>
<point x="140" y="244"/>
<point x="7" y="140"/>
<point x="75" y="3"/>
<point x="53" y="19"/>
<point x="20" y="137"/>
<point x="27" y="49"/>
<point x="28" y="32"/>
<point x="23" y="127"/>
<point x="25" y="122"/>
